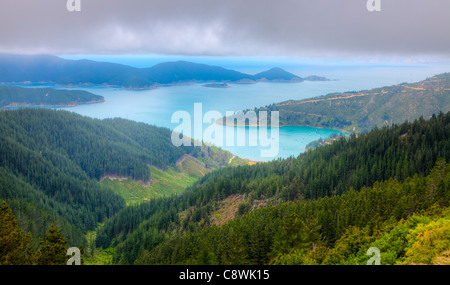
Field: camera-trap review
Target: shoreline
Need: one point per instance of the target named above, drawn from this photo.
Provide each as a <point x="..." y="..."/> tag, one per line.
<point x="253" y="162"/>
<point x="314" y="127"/>
<point x="68" y="105"/>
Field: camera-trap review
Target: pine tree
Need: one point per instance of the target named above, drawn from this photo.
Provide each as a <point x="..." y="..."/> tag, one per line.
<point x="53" y="248"/>
<point x="15" y="247"/>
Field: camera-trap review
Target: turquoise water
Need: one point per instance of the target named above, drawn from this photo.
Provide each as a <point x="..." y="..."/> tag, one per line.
<point x="157" y="106"/>
<point x="292" y="141"/>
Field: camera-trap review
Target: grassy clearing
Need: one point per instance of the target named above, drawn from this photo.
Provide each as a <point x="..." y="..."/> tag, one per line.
<point x="163" y="183"/>
<point x="96" y="256"/>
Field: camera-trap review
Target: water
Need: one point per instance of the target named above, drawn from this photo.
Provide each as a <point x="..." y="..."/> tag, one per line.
<point x="157" y="106"/>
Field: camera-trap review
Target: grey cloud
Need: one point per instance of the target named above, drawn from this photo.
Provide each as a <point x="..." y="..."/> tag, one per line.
<point x="227" y="27"/>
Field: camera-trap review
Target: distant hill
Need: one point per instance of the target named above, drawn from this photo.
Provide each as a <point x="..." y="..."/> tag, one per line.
<point x="182" y="71"/>
<point x="277" y="74"/>
<point x="12" y="96"/>
<point x="55" y="70"/>
<point x="363" y="110"/>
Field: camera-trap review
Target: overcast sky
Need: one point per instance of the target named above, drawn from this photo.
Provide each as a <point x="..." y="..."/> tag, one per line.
<point x="324" y="28"/>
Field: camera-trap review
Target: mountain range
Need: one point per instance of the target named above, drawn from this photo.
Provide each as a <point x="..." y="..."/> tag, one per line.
<point x="56" y="70"/>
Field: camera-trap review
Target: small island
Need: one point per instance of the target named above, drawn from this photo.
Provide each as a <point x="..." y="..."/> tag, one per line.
<point x="13" y="97"/>
<point x="217" y="85"/>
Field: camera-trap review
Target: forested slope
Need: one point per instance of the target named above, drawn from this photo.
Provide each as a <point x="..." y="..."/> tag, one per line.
<point x="12" y="96"/>
<point x="346" y="166"/>
<point x="392" y="216"/>
<point x="51" y="163"/>
<point x="361" y="111"/>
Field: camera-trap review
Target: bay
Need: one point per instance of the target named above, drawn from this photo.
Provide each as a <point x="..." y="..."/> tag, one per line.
<point x="157" y="106"/>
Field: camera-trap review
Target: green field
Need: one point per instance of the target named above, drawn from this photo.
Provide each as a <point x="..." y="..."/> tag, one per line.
<point x="162" y="184"/>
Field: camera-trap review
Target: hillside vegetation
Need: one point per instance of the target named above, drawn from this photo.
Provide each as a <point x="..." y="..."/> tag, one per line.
<point x="52" y="162"/>
<point x="408" y="222"/>
<point x="11" y="96"/>
<point x="362" y="111"/>
<point x="270" y="212"/>
<point x="387" y="188"/>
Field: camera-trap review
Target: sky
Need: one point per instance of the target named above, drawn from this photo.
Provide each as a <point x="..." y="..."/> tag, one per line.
<point x="297" y="28"/>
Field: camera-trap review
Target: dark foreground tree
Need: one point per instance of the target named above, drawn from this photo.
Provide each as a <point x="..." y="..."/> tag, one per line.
<point x="53" y="249"/>
<point x="15" y="248"/>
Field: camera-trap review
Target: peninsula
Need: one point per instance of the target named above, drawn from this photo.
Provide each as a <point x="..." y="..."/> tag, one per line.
<point x="14" y="96"/>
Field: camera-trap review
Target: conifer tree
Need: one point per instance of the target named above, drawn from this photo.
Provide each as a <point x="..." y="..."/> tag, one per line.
<point x="15" y="247"/>
<point x="53" y="248"/>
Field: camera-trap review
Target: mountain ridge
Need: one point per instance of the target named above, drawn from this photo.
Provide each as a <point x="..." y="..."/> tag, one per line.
<point x="59" y="71"/>
<point x="361" y="111"/>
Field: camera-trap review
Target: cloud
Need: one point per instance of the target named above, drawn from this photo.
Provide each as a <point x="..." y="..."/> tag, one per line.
<point x="227" y="27"/>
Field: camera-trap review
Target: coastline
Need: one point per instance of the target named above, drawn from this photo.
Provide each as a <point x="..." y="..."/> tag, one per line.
<point x="281" y="126"/>
<point x="72" y="104"/>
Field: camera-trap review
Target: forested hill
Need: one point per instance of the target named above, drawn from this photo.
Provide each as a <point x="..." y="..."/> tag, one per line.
<point x="407" y="222"/>
<point x="201" y="226"/>
<point x="51" y="163"/>
<point x="363" y="110"/>
<point x="278" y="74"/>
<point x="12" y="96"/>
<point x="56" y="70"/>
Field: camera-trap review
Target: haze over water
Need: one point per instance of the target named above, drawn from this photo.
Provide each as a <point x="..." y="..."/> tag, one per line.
<point x="157" y="106"/>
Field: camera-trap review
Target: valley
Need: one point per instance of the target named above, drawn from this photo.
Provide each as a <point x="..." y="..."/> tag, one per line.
<point x="123" y="191"/>
<point x="163" y="183"/>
